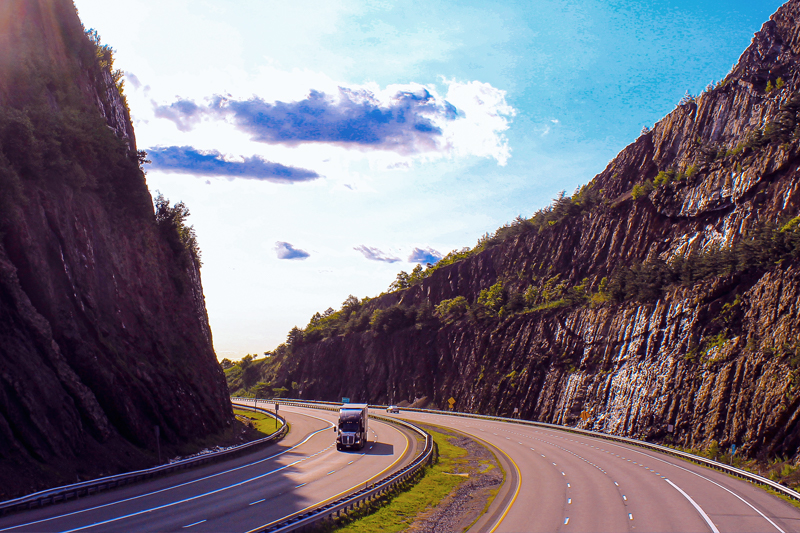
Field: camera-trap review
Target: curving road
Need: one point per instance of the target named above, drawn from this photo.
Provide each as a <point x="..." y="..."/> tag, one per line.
<point x="566" y="482"/>
<point x="301" y="471"/>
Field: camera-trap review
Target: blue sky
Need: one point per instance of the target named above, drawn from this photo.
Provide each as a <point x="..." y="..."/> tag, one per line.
<point x="322" y="147"/>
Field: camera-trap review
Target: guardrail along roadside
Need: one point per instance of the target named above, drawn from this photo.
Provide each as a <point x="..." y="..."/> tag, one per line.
<point x="86" y="488"/>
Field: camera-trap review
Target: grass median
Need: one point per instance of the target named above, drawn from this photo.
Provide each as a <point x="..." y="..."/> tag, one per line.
<point x="261" y="422"/>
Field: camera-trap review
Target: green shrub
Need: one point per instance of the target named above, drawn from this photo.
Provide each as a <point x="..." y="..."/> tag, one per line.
<point x="492" y="298"/>
<point x="452" y="309"/>
<point x="664" y="177"/>
<point x="392" y="319"/>
<point x="643" y="190"/>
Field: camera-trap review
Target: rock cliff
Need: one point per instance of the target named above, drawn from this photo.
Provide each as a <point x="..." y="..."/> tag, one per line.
<point x="103" y="327"/>
<point x="662" y="299"/>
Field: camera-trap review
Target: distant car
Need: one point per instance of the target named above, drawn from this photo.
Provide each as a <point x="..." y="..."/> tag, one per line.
<point x="392" y="409"/>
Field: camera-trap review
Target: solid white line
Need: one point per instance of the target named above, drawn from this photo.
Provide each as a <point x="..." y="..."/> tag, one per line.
<point x="699" y="509"/>
<point x="190" y="525"/>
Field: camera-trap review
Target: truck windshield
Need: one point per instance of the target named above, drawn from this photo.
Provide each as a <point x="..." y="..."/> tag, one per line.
<point x="350" y="427"/>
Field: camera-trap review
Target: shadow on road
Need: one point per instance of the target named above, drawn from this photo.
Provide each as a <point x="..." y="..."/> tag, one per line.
<point x="380" y="448"/>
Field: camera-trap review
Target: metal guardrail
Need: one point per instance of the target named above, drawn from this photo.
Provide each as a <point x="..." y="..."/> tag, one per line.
<point x="85" y="488"/>
<point x="722" y="467"/>
<point x="367" y="494"/>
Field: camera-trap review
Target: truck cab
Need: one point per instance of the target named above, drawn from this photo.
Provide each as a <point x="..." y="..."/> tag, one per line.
<point x="351" y="431"/>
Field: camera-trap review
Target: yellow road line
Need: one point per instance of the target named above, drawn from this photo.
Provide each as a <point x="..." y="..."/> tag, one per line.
<point x="519" y="476"/>
<point x="516" y="493"/>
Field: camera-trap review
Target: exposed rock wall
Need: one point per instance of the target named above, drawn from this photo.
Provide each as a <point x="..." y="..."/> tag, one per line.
<point x="661" y="369"/>
<point x="103" y="326"/>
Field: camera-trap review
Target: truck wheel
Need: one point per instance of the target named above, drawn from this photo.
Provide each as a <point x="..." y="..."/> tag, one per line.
<point x="338" y="447"/>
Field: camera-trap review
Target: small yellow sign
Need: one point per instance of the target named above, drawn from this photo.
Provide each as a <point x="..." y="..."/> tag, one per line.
<point x="451" y="401"/>
<point x="585" y="416"/>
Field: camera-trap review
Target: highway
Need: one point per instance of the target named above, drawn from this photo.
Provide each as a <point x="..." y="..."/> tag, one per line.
<point x="301" y="471"/>
<point x="561" y="481"/>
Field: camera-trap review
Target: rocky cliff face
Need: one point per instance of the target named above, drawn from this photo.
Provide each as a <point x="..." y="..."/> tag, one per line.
<point x="103" y="327"/>
<point x="690" y="359"/>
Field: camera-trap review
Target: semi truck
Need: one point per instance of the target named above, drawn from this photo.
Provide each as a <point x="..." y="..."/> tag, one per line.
<point x="351" y="432"/>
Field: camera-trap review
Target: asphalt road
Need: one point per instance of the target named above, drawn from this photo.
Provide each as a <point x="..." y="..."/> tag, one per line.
<point x="561" y="481"/>
<point x="301" y="471"/>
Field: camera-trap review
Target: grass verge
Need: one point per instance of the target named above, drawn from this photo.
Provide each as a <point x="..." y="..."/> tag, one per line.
<point x="261" y="422"/>
<point x="399" y="512"/>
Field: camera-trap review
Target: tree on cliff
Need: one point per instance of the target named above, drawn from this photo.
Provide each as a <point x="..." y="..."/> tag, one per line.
<point x="172" y="219"/>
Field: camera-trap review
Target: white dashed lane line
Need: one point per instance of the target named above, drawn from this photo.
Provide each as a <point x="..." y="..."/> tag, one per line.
<point x="196" y="523"/>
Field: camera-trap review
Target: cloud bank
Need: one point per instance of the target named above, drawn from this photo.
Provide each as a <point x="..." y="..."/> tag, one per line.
<point x="287" y="251"/>
<point x="427" y="255"/>
<point x="408" y="120"/>
<point x="188" y="160"/>
<point x="374" y="254"/>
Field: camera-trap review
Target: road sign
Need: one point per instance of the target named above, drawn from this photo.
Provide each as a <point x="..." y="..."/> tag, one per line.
<point x="345" y="400"/>
<point x="585" y="416"/>
<point x="276" y="407"/>
<point x="451" y="401"/>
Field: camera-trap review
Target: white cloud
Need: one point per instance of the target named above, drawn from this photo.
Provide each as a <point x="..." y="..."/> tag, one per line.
<point x="486" y="115"/>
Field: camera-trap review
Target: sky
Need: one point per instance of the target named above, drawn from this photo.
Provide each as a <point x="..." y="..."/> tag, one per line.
<point x="324" y="146"/>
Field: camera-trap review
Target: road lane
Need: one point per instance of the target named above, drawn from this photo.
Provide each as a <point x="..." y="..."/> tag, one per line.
<point x="237" y="495"/>
<point x="570" y="482"/>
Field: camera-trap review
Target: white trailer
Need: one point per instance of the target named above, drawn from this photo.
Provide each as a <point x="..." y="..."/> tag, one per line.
<point x="351" y="432"/>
